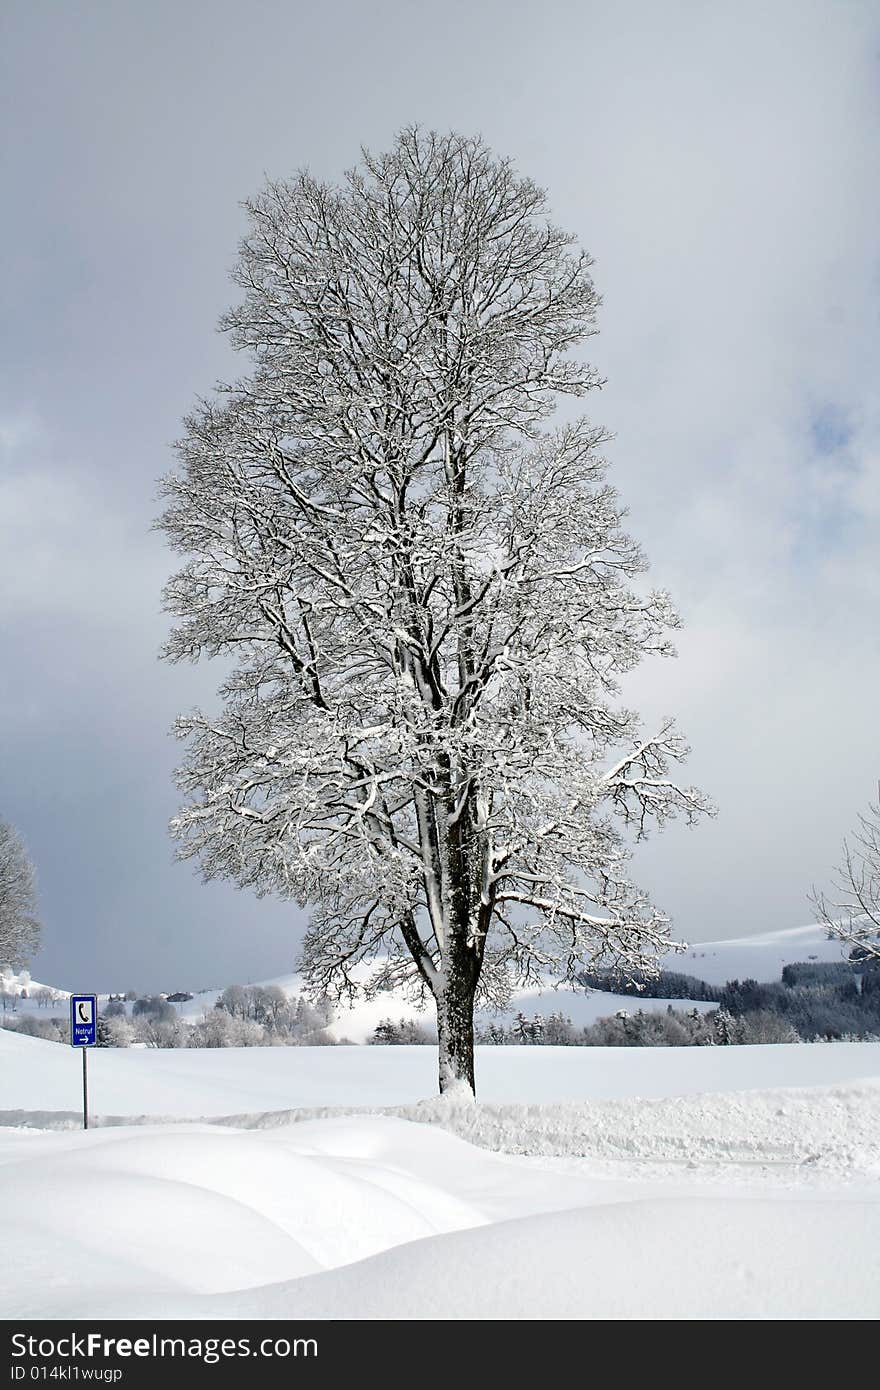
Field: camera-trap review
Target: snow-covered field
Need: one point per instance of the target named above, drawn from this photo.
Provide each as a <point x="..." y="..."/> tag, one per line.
<point x="191" y="1083"/>
<point x="588" y="1183"/>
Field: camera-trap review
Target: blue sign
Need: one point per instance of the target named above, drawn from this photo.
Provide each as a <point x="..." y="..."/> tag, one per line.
<point x="83" y="1020"/>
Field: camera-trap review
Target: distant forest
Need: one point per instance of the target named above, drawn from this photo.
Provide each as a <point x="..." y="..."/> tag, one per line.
<point x="813" y="1002"/>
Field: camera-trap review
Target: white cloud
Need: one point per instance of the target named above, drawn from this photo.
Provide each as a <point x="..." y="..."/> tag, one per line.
<point x="726" y="183"/>
<point x="66" y="549"/>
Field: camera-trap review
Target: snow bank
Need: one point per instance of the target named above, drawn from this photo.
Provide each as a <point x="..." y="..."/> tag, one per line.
<point x="679" y="1259"/>
<point x="376" y="1218"/>
<point x="199" y="1211"/>
<point x="836" y="1129"/>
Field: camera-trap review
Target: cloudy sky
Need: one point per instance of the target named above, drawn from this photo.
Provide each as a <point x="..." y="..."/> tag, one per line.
<point x="719" y="161"/>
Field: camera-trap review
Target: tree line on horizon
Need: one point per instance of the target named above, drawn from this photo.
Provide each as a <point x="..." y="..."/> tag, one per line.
<point x="813" y="1002"/>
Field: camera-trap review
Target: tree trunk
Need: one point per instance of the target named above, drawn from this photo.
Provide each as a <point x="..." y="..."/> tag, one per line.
<point x="455" y="1031"/>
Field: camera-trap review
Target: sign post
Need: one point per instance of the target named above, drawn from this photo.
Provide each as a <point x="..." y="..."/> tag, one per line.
<point x="84" y="1034"/>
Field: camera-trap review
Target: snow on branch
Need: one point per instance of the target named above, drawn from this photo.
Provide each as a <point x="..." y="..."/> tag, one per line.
<point x="425" y="594"/>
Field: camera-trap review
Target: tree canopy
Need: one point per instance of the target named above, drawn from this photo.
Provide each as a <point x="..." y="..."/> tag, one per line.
<point x="427" y="594"/>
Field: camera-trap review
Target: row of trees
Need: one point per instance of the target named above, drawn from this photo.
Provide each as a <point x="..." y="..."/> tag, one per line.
<point x="669" y="1028"/>
<point x="663" y="984"/>
<point x="244" y="1016"/>
<point x="273" y="1009"/>
<point x="813" y="1001"/>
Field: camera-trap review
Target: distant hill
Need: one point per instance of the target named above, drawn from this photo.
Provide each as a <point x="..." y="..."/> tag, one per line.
<point x="760" y="957"/>
<point x="13" y="983"/>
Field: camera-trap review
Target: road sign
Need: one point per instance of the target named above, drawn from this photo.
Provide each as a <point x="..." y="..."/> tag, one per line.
<point x="83" y="1020"/>
<point x="84" y="1034"/>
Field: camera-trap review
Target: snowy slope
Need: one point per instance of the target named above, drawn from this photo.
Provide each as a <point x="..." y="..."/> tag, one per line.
<point x="739" y="1182"/>
<point x="357" y="1022"/>
<point x="756" y="957"/>
<point x="13" y="982"/>
<point x="383" y="1219"/>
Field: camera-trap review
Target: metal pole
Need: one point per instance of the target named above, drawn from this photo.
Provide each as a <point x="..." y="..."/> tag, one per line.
<point x="85" y="1053"/>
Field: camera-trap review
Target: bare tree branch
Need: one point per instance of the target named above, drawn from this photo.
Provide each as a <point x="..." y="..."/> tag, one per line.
<point x="427" y="594"/>
<point x="852" y="911"/>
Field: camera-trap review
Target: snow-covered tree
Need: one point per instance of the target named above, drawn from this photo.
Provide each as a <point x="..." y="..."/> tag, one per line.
<point x="427" y="595"/>
<point x="118" y="1030"/>
<point x="852" y="910"/>
<point x="19" y="923"/>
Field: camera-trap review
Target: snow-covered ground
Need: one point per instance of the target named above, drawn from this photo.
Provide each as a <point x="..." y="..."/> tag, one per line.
<point x="716" y="1182"/>
<point x="371" y="1217"/>
<point x="588" y="1183"/>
